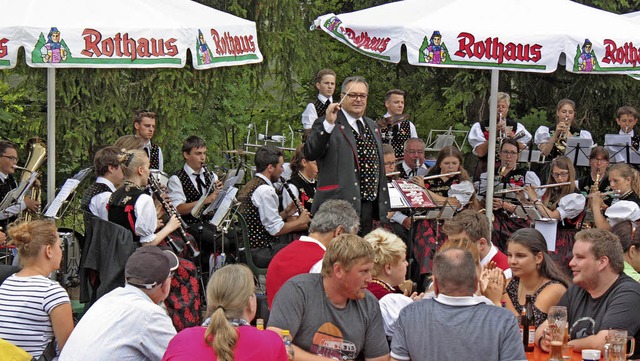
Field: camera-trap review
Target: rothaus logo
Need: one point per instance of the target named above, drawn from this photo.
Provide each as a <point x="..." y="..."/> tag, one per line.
<point x="121" y="45"/>
<point x="494" y="49"/>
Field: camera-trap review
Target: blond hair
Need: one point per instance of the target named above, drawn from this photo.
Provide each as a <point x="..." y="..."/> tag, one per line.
<point x="228" y="293"/>
<point x="346" y="249"/>
<point x="30" y="237"/>
<point x="131" y="160"/>
<point x="387" y="248"/>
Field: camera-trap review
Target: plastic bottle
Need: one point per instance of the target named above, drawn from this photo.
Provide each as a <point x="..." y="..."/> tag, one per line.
<point x="260" y="324"/>
<point x="286" y="338"/>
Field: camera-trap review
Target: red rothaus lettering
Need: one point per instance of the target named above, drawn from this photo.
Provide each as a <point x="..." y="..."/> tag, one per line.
<point x="494" y="49"/>
<point x="364" y="41"/>
<point x="227" y="44"/>
<point x="121" y="45"/>
<point x="625" y="54"/>
<point x="3" y="47"/>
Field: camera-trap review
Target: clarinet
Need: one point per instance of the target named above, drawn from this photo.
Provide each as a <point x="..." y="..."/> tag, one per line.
<point x="295" y="199"/>
<point x="171" y="211"/>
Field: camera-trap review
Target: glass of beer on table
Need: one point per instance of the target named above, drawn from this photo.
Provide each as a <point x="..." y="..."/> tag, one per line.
<point x="557" y="318"/>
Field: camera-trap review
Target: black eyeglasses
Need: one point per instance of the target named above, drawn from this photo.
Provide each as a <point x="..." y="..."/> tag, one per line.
<point x="354" y="96"/>
<point x="11" y="158"/>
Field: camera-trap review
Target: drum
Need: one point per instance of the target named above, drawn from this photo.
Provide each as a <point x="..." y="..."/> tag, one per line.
<point x="161" y="177"/>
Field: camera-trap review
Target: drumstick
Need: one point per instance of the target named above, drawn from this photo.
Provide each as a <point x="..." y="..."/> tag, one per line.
<point x="348" y="90"/>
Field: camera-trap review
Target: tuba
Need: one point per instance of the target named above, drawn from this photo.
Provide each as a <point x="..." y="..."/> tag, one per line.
<point x="37" y="154"/>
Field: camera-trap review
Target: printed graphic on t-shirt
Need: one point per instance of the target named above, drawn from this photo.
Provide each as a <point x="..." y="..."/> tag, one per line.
<point x="583" y="327"/>
<point x="329" y="342"/>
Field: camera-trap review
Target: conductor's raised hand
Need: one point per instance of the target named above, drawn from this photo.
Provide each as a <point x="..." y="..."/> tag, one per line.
<point x="332" y="113"/>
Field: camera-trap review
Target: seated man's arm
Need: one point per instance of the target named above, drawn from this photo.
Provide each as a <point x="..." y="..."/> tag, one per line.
<point x="595" y="342"/>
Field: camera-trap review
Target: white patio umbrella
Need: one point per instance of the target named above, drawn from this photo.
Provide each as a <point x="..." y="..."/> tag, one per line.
<point x="515" y="35"/>
<point x="119" y="34"/>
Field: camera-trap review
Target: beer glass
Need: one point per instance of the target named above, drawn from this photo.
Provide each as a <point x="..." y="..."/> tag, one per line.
<point x="557" y="319"/>
<point x="615" y="348"/>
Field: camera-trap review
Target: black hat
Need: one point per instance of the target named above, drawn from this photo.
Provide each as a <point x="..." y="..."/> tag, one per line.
<point x="149" y="266"/>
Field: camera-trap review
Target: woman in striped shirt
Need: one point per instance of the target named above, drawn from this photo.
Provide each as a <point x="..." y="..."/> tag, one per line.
<point x="33" y="308"/>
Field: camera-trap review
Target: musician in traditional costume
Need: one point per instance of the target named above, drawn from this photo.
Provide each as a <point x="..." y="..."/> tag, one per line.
<point x="397" y="134"/>
<point x="624" y="184"/>
<point x="187" y="187"/>
<point x="144" y="125"/>
<point x="8" y="162"/>
<point x="259" y="206"/>
<point x="303" y="180"/>
<point x="509" y="176"/>
<point x="132" y="207"/>
<point x="552" y="143"/>
<point x="449" y="190"/>
<point x="506" y="128"/>
<point x="325" y="82"/>
<point x="106" y="164"/>
<point x="412" y="159"/>
<point x="598" y="164"/>
<point x="563" y="206"/>
<point x="627" y="119"/>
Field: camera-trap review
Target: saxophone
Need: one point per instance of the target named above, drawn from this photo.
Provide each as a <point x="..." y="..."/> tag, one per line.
<point x="37" y="154"/>
<point x="588" y="220"/>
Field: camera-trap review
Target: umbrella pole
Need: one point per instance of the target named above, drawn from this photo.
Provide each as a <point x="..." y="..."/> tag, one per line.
<point x="491" y="155"/>
<point x="51" y="134"/>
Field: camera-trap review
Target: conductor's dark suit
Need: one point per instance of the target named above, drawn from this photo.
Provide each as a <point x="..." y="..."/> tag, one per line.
<point x="338" y="166"/>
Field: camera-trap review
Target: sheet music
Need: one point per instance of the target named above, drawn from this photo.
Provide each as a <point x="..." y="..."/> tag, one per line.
<point x="225" y="204"/>
<point x="228" y="184"/>
<point x="617" y="145"/>
<point x="583" y="154"/>
<point x="414" y="194"/>
<point x="396" y="199"/>
<point x="69" y="186"/>
<point x="549" y="228"/>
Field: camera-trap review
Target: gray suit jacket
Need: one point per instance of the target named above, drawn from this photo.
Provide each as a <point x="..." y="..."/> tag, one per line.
<point x="338" y="164"/>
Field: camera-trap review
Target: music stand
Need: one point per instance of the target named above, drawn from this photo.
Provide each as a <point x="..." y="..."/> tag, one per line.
<point x="620" y="149"/>
<point x="578" y="150"/>
<point x="65" y="195"/>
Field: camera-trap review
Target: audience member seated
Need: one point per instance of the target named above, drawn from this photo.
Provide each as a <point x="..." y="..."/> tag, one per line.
<point x="454" y="325"/>
<point x="534" y="273"/>
<point x="333" y="315"/>
<point x="304" y="255"/>
<point x="389" y="273"/>
<point x="35" y="312"/>
<point x="562" y="203"/>
<point x="629" y="236"/>
<point x="475" y="226"/>
<point x="601" y="298"/>
<point x="259" y="206"/>
<point x="226" y="334"/>
<point x="127" y="323"/>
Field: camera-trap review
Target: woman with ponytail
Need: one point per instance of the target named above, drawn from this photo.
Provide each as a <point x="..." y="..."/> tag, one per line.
<point x="226" y="335"/>
<point x="534" y="273"/>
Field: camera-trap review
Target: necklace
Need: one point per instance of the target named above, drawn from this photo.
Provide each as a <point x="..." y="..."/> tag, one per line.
<point x="129" y="184"/>
<point x="383" y="284"/>
<point x="522" y="292"/>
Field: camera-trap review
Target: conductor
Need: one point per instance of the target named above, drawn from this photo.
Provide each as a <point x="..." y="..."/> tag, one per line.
<point x="348" y="149"/>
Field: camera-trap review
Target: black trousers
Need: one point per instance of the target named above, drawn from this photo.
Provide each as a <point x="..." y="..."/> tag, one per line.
<point x="368" y="212"/>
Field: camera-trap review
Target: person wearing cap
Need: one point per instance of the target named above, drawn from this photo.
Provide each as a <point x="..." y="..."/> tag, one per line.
<point x="127" y="323"/>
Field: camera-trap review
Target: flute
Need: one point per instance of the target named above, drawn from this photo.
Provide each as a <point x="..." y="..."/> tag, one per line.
<point x="172" y="211"/>
<point x="518" y="189"/>
<point x="441" y="175"/>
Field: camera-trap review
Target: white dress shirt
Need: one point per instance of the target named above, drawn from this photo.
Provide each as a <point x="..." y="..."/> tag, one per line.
<point x="310" y="114"/>
<point x="476" y="135"/>
<point x="174" y="185"/>
<point x="266" y="199"/>
<point x="98" y="204"/>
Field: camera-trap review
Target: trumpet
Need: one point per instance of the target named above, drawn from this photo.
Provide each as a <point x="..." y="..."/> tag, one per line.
<point x="561" y="141"/>
<point x="170" y="210"/>
<point x="519" y="189"/>
<point x="197" y="209"/>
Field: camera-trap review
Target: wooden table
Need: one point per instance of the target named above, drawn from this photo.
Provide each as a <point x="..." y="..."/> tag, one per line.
<point x="539" y="355"/>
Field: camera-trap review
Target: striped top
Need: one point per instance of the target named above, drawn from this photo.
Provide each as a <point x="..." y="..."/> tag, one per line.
<point x="25" y="305"/>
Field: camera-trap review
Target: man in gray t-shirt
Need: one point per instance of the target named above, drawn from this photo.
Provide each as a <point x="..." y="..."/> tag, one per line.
<point x="332" y="314"/>
<point x="453" y="326"/>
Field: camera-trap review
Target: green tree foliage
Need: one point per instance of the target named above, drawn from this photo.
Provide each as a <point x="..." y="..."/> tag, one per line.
<point x="95" y="106"/>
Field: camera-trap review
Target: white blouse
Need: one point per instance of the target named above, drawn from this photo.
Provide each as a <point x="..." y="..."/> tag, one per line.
<point x="476" y="135"/>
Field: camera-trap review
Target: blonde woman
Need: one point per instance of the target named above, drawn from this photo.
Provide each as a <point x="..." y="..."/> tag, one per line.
<point x="35" y="310"/>
<point x="227" y="334"/>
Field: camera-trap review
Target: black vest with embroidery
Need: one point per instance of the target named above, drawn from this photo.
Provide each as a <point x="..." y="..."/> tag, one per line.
<point x="441" y="187"/>
<point x="575" y="132"/>
<point x="321" y="108"/>
<point x="192" y="194"/>
<point x="92" y="191"/>
<point x="154" y="157"/>
<point x="402" y="174"/>
<point x="5" y="187"/>
<point x="121" y="208"/>
<point x="397" y="135"/>
<point x="259" y="236"/>
<point x="635" y="139"/>
<point x="585" y="183"/>
<point x="306" y="190"/>
<point x="369" y="161"/>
